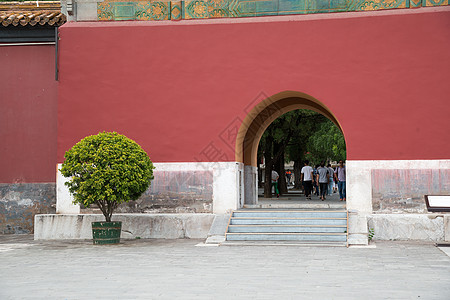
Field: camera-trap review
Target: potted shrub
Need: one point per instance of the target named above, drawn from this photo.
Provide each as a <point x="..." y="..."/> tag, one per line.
<point x="107" y="169"/>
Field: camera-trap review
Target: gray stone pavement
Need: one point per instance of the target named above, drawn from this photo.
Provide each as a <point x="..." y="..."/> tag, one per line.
<point x="298" y="196"/>
<point x="170" y="269"/>
<point x="296" y="199"/>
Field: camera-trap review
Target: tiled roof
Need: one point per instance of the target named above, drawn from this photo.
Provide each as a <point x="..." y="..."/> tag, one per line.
<point x="32" y="18"/>
<point x="29" y="13"/>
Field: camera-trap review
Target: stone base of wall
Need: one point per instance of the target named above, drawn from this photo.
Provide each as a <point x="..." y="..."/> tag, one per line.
<point x="175" y="191"/>
<point x="395" y="186"/>
<point x="163" y="226"/>
<point x="403" y="227"/>
<point x="201" y="187"/>
<point x="20" y="202"/>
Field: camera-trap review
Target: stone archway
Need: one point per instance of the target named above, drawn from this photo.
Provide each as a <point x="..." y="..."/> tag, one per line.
<point x="257" y="121"/>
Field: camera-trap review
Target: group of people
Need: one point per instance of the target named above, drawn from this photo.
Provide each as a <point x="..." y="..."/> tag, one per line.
<point x="319" y="180"/>
<point x="322" y="179"/>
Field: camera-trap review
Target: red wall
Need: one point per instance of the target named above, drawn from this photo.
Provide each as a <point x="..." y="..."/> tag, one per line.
<point x="28" y="101"/>
<point x="175" y="86"/>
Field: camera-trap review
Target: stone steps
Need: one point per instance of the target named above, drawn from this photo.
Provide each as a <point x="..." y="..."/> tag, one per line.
<point x="298" y="226"/>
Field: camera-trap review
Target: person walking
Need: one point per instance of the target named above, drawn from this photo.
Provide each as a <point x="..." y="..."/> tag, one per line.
<point x="315" y="182"/>
<point x="335" y="185"/>
<point x="322" y="178"/>
<point x="307" y="178"/>
<point x="330" y="179"/>
<point x="275" y="177"/>
<point x="288" y="176"/>
<point x="340" y="175"/>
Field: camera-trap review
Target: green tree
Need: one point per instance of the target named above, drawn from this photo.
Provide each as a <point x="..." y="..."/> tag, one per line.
<point x="296" y="136"/>
<point x="272" y="146"/>
<point x="107" y="169"/>
<point x="298" y="148"/>
<point x="327" y="143"/>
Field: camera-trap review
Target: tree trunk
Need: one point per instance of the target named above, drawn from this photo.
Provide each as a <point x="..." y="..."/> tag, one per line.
<point x="268" y="168"/>
<point x="297" y="175"/>
<point x="260" y="181"/>
<point x="260" y="177"/>
<point x="279" y="167"/>
<point x="106" y="209"/>
<point x="271" y="160"/>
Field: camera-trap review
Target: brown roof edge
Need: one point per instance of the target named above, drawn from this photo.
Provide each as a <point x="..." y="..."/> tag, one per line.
<point x="30" y="6"/>
<point x="48" y="13"/>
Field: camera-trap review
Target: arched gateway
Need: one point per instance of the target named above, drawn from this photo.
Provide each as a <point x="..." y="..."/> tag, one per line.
<point x="257" y="121"/>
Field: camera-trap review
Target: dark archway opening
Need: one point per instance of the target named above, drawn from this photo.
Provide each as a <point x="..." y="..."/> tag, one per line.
<point x="291" y="139"/>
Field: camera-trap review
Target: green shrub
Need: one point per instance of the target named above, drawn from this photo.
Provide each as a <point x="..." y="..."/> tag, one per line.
<point x="107" y="169"/>
<point x="371" y="234"/>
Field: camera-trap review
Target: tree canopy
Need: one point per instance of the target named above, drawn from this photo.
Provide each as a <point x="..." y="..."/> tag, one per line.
<point x="107" y="169"/>
<point x="326" y="143"/>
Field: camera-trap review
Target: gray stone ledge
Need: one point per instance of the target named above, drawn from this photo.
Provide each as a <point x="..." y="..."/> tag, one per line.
<point x="163" y="226"/>
<point x="402" y="227"/>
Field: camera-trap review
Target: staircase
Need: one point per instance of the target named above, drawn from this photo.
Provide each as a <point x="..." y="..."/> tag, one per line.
<point x="288" y="226"/>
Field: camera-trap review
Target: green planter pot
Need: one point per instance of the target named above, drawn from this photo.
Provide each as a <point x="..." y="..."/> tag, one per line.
<point x="106" y="233"/>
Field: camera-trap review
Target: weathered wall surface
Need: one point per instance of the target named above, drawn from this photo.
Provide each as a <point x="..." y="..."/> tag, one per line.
<point x="403" y="190"/>
<point x="175" y="192"/>
<point x="20" y="202"/>
<point x="177" y="188"/>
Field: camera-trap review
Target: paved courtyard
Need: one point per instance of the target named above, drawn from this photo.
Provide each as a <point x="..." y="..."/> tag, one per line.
<point x="170" y="269"/>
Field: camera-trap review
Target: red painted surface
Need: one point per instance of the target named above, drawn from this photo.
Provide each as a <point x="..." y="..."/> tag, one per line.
<point x="28" y="107"/>
<point x="175" y="87"/>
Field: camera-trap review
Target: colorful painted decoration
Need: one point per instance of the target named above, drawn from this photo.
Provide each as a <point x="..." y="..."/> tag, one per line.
<point x="205" y="9"/>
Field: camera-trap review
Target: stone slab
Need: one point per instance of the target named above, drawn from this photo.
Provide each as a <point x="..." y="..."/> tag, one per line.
<point x="357" y="239"/>
<point x="402" y="227"/>
<point x="219" y="225"/>
<point x="215" y="239"/>
<point x="86" y="10"/>
<point x="447" y="228"/>
<point x="160" y="226"/>
<point x="446" y="250"/>
<point x="216" y="234"/>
